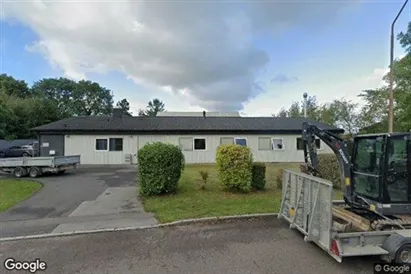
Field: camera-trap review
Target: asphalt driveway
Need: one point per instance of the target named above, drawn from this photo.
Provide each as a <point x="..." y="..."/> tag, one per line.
<point x="61" y="195"/>
<point x="260" y="246"/>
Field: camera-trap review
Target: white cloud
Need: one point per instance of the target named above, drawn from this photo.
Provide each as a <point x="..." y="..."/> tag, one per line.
<point x="325" y="91"/>
<point x="203" y="48"/>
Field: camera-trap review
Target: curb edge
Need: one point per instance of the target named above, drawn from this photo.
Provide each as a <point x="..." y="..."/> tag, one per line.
<point x="175" y="223"/>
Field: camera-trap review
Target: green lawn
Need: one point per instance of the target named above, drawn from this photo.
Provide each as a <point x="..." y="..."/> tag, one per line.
<point x="13" y="191"/>
<point x="192" y="202"/>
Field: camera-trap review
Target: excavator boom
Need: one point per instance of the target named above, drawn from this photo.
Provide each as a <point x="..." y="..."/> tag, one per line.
<point x="338" y="146"/>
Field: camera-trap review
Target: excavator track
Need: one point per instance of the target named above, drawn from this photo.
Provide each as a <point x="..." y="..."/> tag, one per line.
<point x="403" y="222"/>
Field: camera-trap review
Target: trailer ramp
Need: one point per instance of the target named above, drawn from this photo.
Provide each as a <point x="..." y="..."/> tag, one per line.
<point x="306" y="204"/>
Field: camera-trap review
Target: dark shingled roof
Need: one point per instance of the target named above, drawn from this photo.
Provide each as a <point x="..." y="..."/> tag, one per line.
<point x="153" y="125"/>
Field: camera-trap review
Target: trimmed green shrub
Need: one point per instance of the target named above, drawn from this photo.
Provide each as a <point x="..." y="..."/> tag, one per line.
<point x="258" y="176"/>
<point x="234" y="165"/>
<point x="204" y="178"/>
<point x="279" y="178"/>
<point x="159" y="167"/>
<point x="329" y="169"/>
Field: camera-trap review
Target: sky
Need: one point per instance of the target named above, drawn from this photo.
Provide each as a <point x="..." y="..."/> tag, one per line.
<point x="249" y="56"/>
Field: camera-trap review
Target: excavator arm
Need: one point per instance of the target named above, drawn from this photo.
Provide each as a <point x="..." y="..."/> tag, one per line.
<point x="338" y="146"/>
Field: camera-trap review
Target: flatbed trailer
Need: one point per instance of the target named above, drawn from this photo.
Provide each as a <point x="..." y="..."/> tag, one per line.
<point x="307" y="204"/>
<point x="36" y="166"/>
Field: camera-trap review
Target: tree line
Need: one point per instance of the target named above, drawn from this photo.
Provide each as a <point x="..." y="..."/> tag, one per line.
<point x="51" y="99"/>
<point x="372" y="117"/>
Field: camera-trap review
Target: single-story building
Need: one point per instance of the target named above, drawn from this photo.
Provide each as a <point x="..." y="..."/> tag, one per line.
<point x="117" y="139"/>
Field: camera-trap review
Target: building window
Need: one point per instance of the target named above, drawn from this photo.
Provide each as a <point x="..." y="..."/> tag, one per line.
<point x="186" y="143"/>
<point x="116" y="144"/>
<point x="300" y="145"/>
<point x="101" y="144"/>
<point x="277" y="144"/>
<point x="240" y="141"/>
<point x="199" y="144"/>
<point x="264" y="143"/>
<point x="226" y="140"/>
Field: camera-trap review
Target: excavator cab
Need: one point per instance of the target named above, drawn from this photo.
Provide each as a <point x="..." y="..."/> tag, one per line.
<point x="376" y="177"/>
<point x="381" y="171"/>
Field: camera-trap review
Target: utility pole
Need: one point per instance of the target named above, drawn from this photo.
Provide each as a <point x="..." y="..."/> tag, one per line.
<point x="305" y="95"/>
<point x="391" y="76"/>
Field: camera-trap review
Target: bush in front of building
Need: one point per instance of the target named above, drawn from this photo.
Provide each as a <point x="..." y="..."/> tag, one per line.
<point x="258" y="176"/>
<point x="159" y="167"/>
<point x="329" y="169"/>
<point x="234" y="165"/>
<point x="279" y="178"/>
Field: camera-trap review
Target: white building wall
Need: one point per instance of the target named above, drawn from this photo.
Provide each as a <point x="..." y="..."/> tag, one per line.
<point x="84" y="145"/>
<point x="289" y="154"/>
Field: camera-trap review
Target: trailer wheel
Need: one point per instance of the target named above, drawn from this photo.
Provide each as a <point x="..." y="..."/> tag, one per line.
<point x="34" y="172"/>
<point x="19" y="172"/>
<point x="403" y="255"/>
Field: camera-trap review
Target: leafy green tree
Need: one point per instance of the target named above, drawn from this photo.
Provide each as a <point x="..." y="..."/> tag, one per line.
<point x="11" y="86"/>
<point x="154" y="106"/>
<point x="89" y="98"/>
<point x="345" y="114"/>
<point x="125" y="106"/>
<point x="22" y="114"/>
<point x="59" y="90"/>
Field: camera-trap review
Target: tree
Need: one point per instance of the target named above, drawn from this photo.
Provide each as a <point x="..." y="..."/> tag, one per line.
<point x="297" y="109"/>
<point x="402" y="85"/>
<point x="22" y="114"/>
<point x="345" y="114"/>
<point x="59" y="90"/>
<point x="11" y="86"/>
<point x="83" y="98"/>
<point x="125" y="106"/>
<point x="154" y="106"/>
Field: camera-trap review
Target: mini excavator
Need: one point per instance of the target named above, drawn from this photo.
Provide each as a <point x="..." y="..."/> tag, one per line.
<point x="376" y="177"/>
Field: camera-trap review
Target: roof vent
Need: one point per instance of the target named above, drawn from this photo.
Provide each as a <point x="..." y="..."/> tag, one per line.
<point x="65" y="125"/>
<point x="117" y="113"/>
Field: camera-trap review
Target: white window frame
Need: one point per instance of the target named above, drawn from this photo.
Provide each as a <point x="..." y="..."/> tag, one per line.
<point x="272" y="143"/>
<point x="199" y="138"/>
<point x="101" y="150"/>
<point x="246" y="140"/>
<point x="187" y="138"/>
<point x="226" y="138"/>
<point x="122" y="144"/>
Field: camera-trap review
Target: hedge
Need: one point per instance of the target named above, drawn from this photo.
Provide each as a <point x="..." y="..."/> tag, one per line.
<point x="159" y="167"/>
<point x="234" y="165"/>
<point x="258" y="176"/>
<point x="329" y="169"/>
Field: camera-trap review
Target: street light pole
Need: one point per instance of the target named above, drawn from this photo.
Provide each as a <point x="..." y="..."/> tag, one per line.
<point x="391" y="76"/>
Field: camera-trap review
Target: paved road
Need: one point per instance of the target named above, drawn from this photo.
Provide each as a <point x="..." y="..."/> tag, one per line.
<point x="259" y="246"/>
<point x="60" y="195"/>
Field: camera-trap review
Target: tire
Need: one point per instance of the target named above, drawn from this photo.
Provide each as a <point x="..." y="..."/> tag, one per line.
<point x="61" y="171"/>
<point x="19" y="172"/>
<point x="403" y="255"/>
<point x="2" y="154"/>
<point x="34" y="172"/>
<point x="25" y="154"/>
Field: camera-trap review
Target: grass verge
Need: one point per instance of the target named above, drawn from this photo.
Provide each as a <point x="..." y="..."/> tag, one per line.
<point x="191" y="201"/>
<point x="13" y="191"/>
